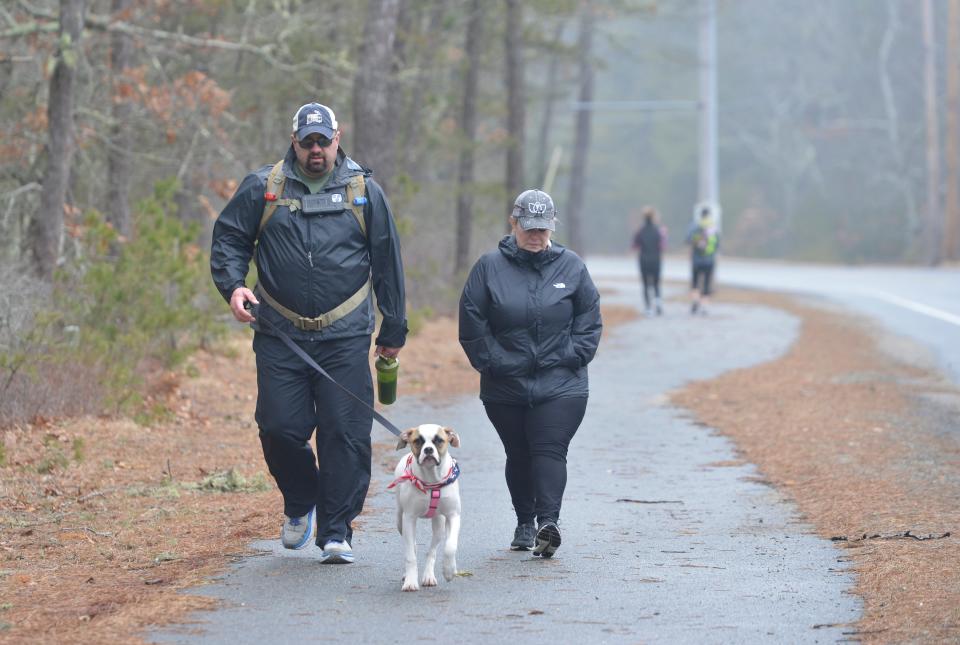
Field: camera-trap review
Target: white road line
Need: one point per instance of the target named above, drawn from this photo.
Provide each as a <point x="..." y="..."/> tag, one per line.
<point x="917" y="307"/>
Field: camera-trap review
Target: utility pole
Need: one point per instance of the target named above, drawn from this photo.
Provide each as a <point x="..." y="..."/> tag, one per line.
<point x="708" y="189"/>
<point x="951" y="237"/>
<point x="933" y="226"/>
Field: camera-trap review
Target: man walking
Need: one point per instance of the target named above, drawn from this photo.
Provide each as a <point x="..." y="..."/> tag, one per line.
<point x="704" y="241"/>
<point x="323" y="237"/>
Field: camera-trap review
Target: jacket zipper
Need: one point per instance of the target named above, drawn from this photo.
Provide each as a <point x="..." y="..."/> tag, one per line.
<point x="538" y="287"/>
<point x="309" y="222"/>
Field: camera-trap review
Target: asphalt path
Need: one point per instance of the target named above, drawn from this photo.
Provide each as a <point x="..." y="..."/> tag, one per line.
<point x="667" y="537"/>
<point x="917" y="303"/>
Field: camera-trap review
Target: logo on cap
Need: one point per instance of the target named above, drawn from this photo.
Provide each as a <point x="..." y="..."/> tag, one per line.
<point x="314" y="117"/>
<point x="538" y="208"/>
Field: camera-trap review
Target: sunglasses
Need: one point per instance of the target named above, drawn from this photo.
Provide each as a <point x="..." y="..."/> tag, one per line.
<point x="308" y="144"/>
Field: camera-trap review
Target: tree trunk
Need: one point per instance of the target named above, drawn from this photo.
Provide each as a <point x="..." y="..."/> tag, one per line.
<point x="47" y="226"/>
<point x="468" y="129"/>
<point x="412" y="119"/>
<point x="932" y="227"/>
<point x="516" y="97"/>
<point x="578" y="170"/>
<point x="900" y="176"/>
<point x="119" y="160"/>
<point x="550" y="96"/>
<point x="951" y="238"/>
<point x="372" y="130"/>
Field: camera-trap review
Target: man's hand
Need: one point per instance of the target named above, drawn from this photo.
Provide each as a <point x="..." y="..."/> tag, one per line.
<point x="239" y="297"/>
<point x="387" y="352"/>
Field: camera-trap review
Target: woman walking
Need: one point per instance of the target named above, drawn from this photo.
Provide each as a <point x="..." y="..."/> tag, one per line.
<point x="530" y="323"/>
<point x="650" y="242"/>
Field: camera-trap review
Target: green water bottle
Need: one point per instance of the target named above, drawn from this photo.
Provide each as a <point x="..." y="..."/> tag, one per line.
<point x="387" y="379"/>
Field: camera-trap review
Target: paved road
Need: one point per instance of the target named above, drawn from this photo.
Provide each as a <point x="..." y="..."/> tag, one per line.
<point x="720" y="558"/>
<point x="921" y="304"/>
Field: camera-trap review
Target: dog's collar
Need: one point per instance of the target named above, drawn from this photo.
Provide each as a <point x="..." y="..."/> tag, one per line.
<point x="430" y="488"/>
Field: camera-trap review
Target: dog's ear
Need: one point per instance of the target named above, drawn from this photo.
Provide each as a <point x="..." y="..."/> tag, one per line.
<point x="454" y="437"/>
<point x="404" y="438"/>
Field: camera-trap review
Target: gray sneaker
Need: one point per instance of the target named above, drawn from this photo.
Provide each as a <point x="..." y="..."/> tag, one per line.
<point x="548" y="540"/>
<point x="523" y="537"/>
<point x="335" y="552"/>
<point x="297" y="532"/>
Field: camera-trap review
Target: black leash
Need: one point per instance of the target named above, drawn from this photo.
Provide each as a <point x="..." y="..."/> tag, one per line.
<point x="296" y="349"/>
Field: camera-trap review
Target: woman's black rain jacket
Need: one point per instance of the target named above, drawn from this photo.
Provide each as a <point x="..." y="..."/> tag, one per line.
<point x="530" y="323"/>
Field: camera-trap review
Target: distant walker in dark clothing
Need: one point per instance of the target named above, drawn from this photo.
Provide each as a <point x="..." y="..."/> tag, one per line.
<point x="650" y="242"/>
<point x="530" y="323"/>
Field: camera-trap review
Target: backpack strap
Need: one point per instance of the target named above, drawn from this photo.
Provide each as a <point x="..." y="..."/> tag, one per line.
<point x="317" y="323"/>
<point x="272" y="194"/>
<point x="711" y="247"/>
<point x="273" y="197"/>
<point x="357" y="196"/>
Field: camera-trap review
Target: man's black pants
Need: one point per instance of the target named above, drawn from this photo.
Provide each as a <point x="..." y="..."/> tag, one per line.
<point x="536" y="441"/>
<point x="701" y="277"/>
<point x="294" y="400"/>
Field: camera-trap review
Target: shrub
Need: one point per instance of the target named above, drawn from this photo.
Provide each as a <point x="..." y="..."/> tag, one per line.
<point x="146" y="300"/>
<point x="122" y="307"/>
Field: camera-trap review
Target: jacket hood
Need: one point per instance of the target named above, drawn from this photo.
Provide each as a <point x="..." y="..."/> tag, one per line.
<point x="508" y="246"/>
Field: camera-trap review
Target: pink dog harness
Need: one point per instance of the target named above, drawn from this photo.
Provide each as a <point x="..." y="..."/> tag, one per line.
<point x="426" y="487"/>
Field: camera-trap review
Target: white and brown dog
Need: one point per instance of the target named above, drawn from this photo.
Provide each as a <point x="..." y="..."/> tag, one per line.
<point x="427" y="486"/>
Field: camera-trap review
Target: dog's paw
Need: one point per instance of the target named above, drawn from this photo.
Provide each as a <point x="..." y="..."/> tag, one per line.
<point x="410" y="584"/>
<point x="428" y="580"/>
<point x="449" y="570"/>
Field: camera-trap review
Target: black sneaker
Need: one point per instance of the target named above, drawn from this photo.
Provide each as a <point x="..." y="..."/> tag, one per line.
<point x="548" y="540"/>
<point x="523" y="537"/>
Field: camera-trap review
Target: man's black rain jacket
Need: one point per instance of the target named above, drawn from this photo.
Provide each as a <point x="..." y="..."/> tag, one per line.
<point x="530" y="323"/>
<point x="312" y="263"/>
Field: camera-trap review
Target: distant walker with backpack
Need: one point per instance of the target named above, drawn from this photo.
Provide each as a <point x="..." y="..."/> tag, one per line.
<point x="704" y="241"/>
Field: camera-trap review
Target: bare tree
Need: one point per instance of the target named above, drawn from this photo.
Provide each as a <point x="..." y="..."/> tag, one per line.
<point x="119" y="158"/>
<point x="468" y="128"/>
<point x="426" y="38"/>
<point x="899" y="175"/>
<point x="47" y="226"/>
<point x="932" y="225"/>
<point x="550" y="95"/>
<point x="374" y="134"/>
<point x="516" y="97"/>
<point x="951" y="237"/>
<point x="581" y="144"/>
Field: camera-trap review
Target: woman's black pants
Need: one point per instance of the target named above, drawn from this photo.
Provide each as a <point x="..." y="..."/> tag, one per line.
<point x="650" y="276"/>
<point x="536" y="440"/>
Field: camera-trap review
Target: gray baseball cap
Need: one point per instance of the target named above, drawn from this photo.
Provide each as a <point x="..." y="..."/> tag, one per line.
<point x="534" y="209"/>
